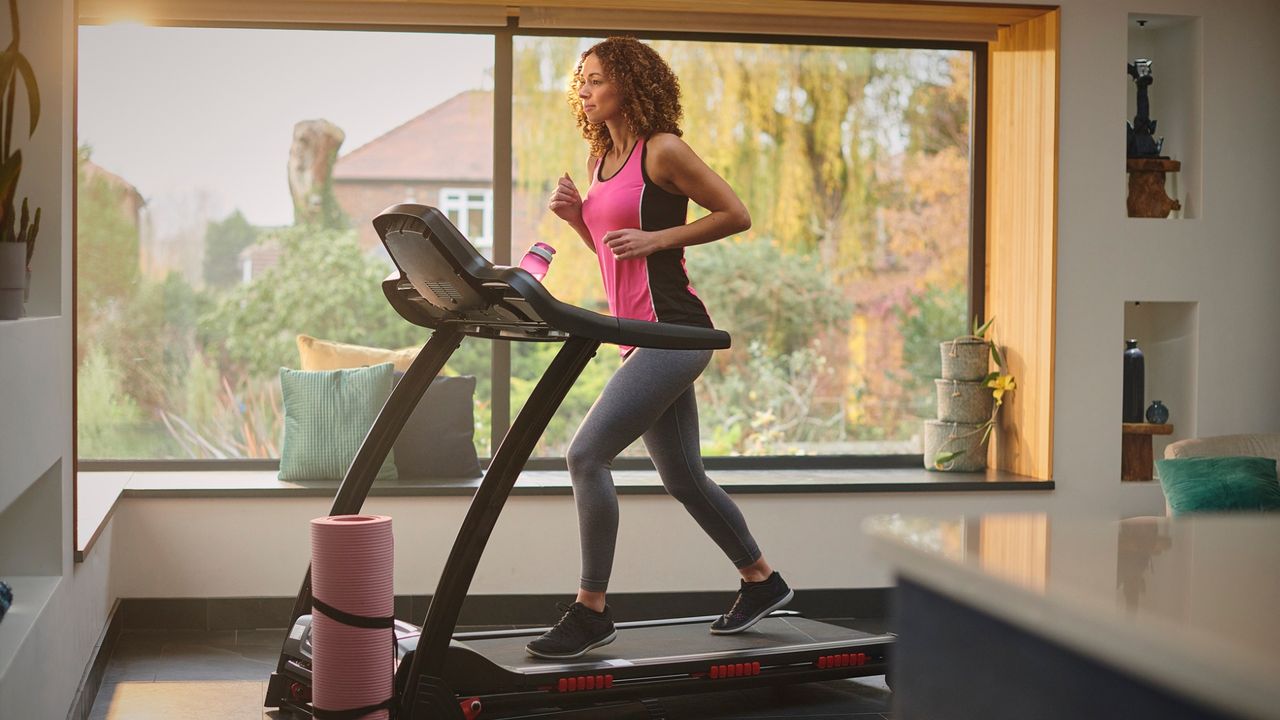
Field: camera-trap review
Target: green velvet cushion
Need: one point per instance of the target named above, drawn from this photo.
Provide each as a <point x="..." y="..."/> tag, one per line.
<point x="327" y="413"/>
<point x="1217" y="484"/>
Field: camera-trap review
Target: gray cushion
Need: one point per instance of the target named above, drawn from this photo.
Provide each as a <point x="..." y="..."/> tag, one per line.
<point x="437" y="441"/>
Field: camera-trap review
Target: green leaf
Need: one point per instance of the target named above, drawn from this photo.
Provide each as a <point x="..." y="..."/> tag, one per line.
<point x="8" y="61"/>
<point x="9" y="173"/>
<point x="995" y="355"/>
<point x="980" y="331"/>
<point x="31" y="237"/>
<point x="33" y="91"/>
<point x="943" y="458"/>
<point x="990" y="376"/>
<point x="8" y="185"/>
<point x="9" y="89"/>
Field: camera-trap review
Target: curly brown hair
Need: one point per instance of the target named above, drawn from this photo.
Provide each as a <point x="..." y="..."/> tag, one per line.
<point x="650" y="91"/>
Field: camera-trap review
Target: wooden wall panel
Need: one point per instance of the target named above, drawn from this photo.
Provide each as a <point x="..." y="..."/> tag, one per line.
<point x="1021" y="244"/>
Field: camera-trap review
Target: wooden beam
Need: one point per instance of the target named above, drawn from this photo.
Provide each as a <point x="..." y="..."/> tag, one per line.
<point x="639" y="20"/>
<point x="905" y="20"/>
<point x="1021" y="246"/>
<point x="908" y="11"/>
<point x="344" y="13"/>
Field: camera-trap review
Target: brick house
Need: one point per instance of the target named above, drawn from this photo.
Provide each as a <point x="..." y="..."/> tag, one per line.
<point x="443" y="157"/>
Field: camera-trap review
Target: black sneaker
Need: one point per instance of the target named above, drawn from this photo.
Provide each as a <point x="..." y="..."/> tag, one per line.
<point x="580" y="630"/>
<point x="755" y="600"/>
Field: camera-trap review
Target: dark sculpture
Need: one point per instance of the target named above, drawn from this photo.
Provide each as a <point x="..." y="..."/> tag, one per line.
<point x="1140" y="139"/>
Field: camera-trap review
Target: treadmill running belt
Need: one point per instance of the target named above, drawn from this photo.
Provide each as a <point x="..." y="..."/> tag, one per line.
<point x="665" y="643"/>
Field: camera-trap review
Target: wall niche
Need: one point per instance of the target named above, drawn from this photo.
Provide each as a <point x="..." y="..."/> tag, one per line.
<point x="1172" y="43"/>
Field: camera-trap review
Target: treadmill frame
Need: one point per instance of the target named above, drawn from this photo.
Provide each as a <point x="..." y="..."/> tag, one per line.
<point x="501" y="303"/>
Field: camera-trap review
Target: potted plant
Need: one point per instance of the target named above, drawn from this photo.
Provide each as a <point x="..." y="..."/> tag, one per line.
<point x="17" y="231"/>
<point x="966" y="384"/>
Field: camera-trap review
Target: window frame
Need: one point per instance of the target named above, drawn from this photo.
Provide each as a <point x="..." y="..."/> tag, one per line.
<point x="499" y="207"/>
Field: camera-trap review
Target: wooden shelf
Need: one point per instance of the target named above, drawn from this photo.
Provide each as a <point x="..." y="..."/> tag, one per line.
<point x="1148" y="429"/>
<point x="1136" y="455"/>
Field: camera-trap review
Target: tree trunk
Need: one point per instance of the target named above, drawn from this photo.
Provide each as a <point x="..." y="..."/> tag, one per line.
<point x="311" y="159"/>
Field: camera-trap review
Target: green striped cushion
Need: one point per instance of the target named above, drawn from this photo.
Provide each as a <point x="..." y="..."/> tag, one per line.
<point x="327" y="413"/>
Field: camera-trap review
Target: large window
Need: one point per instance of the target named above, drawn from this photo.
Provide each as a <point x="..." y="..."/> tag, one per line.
<point x="227" y="182"/>
<point x="225" y="200"/>
<point x="855" y="165"/>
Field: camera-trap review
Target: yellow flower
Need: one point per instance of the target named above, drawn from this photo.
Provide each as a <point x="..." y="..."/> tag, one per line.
<point x="1001" y="384"/>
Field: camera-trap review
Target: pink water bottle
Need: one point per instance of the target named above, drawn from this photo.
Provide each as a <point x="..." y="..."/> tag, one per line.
<point x="538" y="260"/>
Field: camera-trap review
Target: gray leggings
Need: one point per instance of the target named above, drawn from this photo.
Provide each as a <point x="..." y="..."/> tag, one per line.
<point x="650" y="396"/>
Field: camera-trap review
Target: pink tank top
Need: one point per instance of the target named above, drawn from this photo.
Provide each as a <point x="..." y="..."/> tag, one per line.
<point x="654" y="288"/>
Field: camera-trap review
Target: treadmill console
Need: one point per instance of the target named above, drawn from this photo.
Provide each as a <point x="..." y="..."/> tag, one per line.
<point x="444" y="281"/>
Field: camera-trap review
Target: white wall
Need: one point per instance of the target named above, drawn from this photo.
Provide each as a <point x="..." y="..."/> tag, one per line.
<point x="1225" y="260"/>
<point x="251" y="547"/>
<point x="47" y="665"/>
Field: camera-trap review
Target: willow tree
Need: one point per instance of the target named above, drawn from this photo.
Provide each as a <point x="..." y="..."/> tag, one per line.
<point x="856" y="156"/>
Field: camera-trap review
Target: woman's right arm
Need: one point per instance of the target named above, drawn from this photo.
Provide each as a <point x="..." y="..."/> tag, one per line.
<point x="566" y="203"/>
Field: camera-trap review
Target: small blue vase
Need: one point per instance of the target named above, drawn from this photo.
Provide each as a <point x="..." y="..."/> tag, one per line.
<point x="1157" y="413"/>
<point x="6" y="598"/>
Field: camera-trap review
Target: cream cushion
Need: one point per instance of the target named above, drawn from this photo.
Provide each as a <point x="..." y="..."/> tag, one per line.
<point x="1249" y="445"/>
<point x="319" y="354"/>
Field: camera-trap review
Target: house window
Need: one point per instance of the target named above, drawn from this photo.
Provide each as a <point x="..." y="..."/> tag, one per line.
<point x="471" y="209"/>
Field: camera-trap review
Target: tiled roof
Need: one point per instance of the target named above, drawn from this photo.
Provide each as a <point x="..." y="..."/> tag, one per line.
<point x="451" y="141"/>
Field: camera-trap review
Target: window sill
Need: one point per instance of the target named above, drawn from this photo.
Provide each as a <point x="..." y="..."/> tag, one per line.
<point x="99" y="492"/>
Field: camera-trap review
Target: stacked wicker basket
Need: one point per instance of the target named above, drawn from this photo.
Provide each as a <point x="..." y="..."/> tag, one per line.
<point x="964" y="406"/>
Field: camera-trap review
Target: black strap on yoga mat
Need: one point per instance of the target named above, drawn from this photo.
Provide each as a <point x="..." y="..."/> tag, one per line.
<point x="346" y="618"/>
<point x="360" y="621"/>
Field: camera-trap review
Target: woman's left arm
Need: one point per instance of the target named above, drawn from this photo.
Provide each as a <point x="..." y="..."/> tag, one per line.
<point x="675" y="167"/>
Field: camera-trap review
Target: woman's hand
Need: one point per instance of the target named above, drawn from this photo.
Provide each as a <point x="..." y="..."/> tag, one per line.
<point x="632" y="243"/>
<point x="566" y="203"/>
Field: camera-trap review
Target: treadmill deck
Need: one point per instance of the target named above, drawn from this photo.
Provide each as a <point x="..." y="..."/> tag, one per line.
<point x="665" y="644"/>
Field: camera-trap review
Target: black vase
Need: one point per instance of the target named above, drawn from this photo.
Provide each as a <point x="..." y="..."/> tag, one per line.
<point x="1134" y="381"/>
<point x="1157" y="413"/>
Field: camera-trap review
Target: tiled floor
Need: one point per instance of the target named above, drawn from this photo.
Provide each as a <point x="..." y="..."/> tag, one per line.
<point x="221" y="675"/>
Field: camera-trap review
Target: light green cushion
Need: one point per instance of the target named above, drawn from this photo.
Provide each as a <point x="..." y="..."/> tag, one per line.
<point x="1219" y="484"/>
<point x="327" y="413"/>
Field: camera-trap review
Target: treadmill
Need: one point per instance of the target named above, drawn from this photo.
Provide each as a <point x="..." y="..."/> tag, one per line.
<point x="445" y="285"/>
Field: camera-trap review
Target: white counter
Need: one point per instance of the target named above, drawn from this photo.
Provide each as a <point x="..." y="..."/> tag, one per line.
<point x="1191" y="605"/>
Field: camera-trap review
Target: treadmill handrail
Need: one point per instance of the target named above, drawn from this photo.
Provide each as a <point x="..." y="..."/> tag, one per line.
<point x="482" y="293"/>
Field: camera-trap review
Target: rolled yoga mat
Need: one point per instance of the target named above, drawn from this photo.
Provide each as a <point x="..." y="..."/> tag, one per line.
<point x="352" y="641"/>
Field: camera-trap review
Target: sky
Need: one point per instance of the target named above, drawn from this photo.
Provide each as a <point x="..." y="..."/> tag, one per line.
<point x="200" y="120"/>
